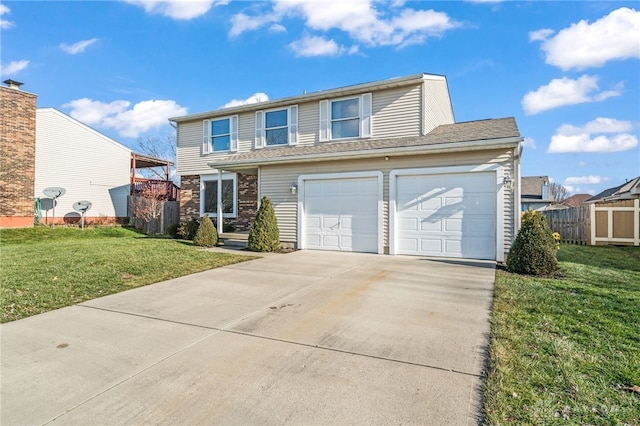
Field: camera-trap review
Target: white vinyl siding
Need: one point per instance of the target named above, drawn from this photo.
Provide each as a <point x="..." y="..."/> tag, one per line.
<point x="396" y="112"/>
<point x="275" y="182"/>
<point x="437" y="108"/>
<point x="87" y="164"/>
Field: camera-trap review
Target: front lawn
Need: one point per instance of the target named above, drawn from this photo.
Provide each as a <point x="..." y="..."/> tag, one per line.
<point x="567" y="350"/>
<point x="48" y="268"/>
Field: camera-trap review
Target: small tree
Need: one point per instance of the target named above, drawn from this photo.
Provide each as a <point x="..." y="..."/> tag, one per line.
<point x="207" y="235"/>
<point x="534" y="252"/>
<point x="264" y="235"/>
<point x="148" y="206"/>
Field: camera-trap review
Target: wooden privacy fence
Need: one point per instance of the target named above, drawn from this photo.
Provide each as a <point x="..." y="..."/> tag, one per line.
<point x="153" y="216"/>
<point x="572" y="224"/>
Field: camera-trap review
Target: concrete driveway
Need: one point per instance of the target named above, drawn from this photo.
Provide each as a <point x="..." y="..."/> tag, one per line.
<point x="302" y="338"/>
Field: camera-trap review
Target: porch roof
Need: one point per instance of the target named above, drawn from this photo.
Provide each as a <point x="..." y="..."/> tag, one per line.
<point x="466" y="136"/>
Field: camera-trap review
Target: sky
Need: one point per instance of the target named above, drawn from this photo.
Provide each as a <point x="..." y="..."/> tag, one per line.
<point x="569" y="72"/>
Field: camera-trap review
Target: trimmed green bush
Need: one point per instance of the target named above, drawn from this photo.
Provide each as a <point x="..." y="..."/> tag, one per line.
<point x="187" y="230"/>
<point x="264" y="235"/>
<point x="207" y="235"/>
<point x="534" y="252"/>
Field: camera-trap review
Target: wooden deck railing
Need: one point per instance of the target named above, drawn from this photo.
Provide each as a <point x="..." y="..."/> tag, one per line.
<point x="162" y="189"/>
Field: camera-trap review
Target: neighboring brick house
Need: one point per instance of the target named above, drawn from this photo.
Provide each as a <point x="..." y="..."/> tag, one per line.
<point x="378" y="167"/>
<point x="17" y="159"/>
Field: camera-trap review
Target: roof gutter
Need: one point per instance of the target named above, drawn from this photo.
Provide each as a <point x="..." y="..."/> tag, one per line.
<point x="502" y="143"/>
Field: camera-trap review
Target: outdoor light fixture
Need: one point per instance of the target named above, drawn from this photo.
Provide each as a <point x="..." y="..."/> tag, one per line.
<point x="508" y="182"/>
<point x="293" y="189"/>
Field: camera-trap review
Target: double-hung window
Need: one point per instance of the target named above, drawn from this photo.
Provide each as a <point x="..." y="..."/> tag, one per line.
<point x="209" y="195"/>
<point x="220" y="135"/>
<point x="345" y="118"/>
<point x="277" y="127"/>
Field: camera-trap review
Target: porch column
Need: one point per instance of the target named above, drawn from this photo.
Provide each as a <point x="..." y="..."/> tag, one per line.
<point x="219" y="201"/>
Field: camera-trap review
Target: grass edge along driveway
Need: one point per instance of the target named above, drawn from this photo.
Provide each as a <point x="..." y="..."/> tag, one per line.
<point x="566" y="350"/>
<point x="49" y="268"/>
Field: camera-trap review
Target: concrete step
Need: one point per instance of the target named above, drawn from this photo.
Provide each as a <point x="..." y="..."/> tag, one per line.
<point x="238" y="240"/>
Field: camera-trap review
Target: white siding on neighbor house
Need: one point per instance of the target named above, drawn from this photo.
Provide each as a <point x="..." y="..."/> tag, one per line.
<point x="275" y="182"/>
<point x="89" y="165"/>
<point x="437" y="105"/>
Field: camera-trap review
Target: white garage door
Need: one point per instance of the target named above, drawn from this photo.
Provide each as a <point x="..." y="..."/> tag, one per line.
<point x="449" y="215"/>
<point x="341" y="214"/>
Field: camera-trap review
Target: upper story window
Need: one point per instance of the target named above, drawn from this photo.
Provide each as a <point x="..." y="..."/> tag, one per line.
<point x="220" y="135"/>
<point x="277" y="127"/>
<point x="345" y="118"/>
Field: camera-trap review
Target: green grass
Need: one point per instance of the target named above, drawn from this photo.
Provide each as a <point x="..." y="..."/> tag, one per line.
<point x="563" y="349"/>
<point x="44" y="268"/>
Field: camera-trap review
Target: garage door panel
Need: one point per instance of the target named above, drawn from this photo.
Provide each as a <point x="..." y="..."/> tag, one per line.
<point x="431" y="226"/>
<point x="455" y="215"/>
<point x="453" y="225"/>
<point x="341" y="214"/>
<point x="408" y="224"/>
<point x="430" y="245"/>
<point x="330" y="221"/>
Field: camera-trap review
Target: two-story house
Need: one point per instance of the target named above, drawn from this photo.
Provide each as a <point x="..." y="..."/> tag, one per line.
<point x="377" y="167"/>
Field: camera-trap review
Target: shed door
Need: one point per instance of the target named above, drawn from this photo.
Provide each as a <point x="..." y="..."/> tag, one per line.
<point x="341" y="214"/>
<point x="449" y="215"/>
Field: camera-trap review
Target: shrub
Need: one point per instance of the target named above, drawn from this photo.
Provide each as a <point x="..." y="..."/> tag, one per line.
<point x="187" y="230"/>
<point x="264" y="235"/>
<point x="534" y="252"/>
<point x="207" y="235"/>
<point x="172" y="230"/>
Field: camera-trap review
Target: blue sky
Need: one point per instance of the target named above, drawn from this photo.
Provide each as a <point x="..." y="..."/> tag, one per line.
<point x="569" y="72"/>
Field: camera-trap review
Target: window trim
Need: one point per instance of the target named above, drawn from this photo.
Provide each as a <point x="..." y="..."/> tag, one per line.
<point x="261" y="127"/>
<point x="365" y="115"/>
<point x="214" y="178"/>
<point x="207" y="140"/>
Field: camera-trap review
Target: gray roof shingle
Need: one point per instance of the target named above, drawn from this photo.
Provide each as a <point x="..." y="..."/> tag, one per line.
<point x="470" y="131"/>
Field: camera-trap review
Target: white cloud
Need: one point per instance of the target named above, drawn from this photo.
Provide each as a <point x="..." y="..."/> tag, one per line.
<point x="582" y="163"/>
<point x="277" y="28"/>
<point x="600" y="135"/>
<point x="178" y="9"/>
<point x="540" y="35"/>
<point x="315" y="46"/>
<point x="78" y="47"/>
<point x="128" y="122"/>
<point x="529" y="143"/>
<point x="584" y="45"/>
<point x="253" y="99"/>
<point x="4" y="24"/>
<point x="582" y="180"/>
<point x="241" y="23"/>
<point x="364" y="21"/>
<point x="14" y="67"/>
<point x="566" y="91"/>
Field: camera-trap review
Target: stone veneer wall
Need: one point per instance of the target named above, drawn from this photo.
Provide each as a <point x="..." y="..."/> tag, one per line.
<point x="247" y="200"/>
<point x="18" y="159"/>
